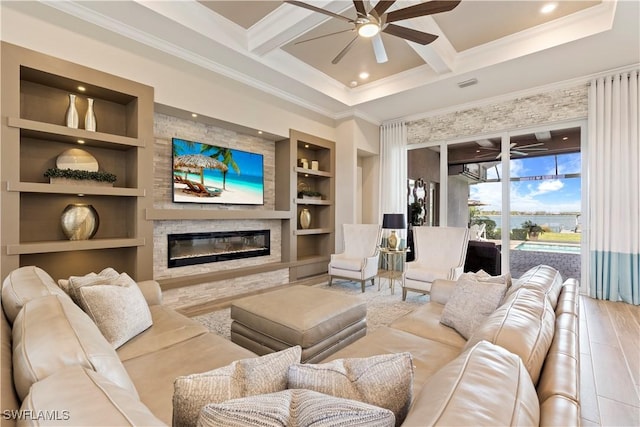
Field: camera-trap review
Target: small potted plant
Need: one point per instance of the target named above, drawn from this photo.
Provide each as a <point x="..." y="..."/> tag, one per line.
<point x="308" y="194"/>
<point x="533" y="229"/>
<point x="74" y="176"/>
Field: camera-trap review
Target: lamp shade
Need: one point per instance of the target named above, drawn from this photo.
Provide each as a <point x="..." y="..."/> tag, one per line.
<point x="393" y="221"/>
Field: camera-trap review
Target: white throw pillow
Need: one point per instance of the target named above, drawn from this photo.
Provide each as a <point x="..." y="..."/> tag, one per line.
<point x="471" y="301"/>
<point x="242" y="378"/>
<point x="64" y="284"/>
<point x="384" y="380"/>
<point x="294" y="408"/>
<point x="115" y="304"/>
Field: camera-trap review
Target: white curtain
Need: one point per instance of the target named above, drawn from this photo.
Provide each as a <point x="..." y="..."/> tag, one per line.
<point x="614" y="188"/>
<point x="393" y="168"/>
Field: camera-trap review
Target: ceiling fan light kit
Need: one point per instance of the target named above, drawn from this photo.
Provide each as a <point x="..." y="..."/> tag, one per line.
<point x="369" y="24"/>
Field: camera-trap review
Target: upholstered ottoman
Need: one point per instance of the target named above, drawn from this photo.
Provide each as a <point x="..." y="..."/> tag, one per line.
<point x="318" y="320"/>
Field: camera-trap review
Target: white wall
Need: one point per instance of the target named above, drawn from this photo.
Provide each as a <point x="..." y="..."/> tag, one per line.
<point x="356" y="138"/>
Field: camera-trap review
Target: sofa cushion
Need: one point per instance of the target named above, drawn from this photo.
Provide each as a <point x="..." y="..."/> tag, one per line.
<point x="114" y="303"/>
<point x="51" y="333"/>
<point x="472" y="300"/>
<point x="247" y="377"/>
<point x="382" y="380"/>
<point x="484" y="386"/>
<point x="8" y="396"/>
<point x="524" y="324"/>
<point x="542" y="277"/>
<point x="78" y="396"/>
<point x="424" y="322"/>
<point x="24" y="284"/>
<point x="169" y="328"/>
<point x="294" y="408"/>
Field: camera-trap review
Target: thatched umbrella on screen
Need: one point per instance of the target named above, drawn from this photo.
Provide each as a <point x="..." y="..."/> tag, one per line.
<point x="198" y="162"/>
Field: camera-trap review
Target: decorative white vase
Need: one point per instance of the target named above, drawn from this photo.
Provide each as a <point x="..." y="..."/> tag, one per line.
<point x="72" y="112"/>
<point x="90" y="117"/>
<point x="305" y="218"/>
<point x="79" y="221"/>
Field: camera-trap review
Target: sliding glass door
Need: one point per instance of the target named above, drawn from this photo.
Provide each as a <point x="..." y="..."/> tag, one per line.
<point x="519" y="192"/>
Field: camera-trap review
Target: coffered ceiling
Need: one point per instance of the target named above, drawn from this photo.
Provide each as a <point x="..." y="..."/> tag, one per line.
<point x="507" y="46"/>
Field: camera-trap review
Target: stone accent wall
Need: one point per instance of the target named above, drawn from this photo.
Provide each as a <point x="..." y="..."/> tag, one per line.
<point x="167" y="127"/>
<point x="548" y="107"/>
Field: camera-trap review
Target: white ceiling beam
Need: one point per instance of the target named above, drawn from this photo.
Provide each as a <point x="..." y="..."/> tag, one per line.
<point x="288" y="22"/>
<point x="439" y="55"/>
<point x="200" y="19"/>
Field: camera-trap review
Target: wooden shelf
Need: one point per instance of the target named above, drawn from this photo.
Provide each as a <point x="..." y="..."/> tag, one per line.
<point x="40" y="130"/>
<point x="37" y="187"/>
<point x="313" y="202"/>
<point x="312" y="173"/>
<point x="204" y="214"/>
<point x="311" y="231"/>
<point x="313" y="259"/>
<point x="72" y="245"/>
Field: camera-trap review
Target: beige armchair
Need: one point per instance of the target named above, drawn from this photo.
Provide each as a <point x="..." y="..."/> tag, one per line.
<point x="359" y="260"/>
<point x="440" y="253"/>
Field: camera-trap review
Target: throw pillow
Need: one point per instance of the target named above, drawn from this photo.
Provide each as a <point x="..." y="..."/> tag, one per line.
<point x="470" y="303"/>
<point x="64" y="284"/>
<point x="384" y="380"/>
<point x="115" y="304"/>
<point x="242" y="378"/>
<point x="294" y="408"/>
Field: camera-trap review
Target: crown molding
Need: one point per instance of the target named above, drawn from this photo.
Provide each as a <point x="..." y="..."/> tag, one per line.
<point x="359" y="114"/>
<point x="89" y="15"/>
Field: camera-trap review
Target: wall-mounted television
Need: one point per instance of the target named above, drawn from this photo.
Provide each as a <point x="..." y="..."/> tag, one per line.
<point x="204" y="173"/>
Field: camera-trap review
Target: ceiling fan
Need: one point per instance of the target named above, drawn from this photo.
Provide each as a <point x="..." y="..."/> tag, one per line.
<point x="369" y="24"/>
<point x="514" y="150"/>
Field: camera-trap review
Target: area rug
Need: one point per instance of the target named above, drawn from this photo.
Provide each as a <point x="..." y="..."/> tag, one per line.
<point x="382" y="307"/>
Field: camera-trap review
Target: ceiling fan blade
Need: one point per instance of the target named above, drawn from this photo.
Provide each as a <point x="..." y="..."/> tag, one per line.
<point x="409" y="34"/>
<point x="421" y="9"/>
<point x="520" y="153"/>
<point x="537" y="144"/>
<point x="360" y="9"/>
<point x="379" y="50"/>
<point x="325" y="35"/>
<point x="317" y="9"/>
<point x="344" y="51"/>
<point x="382" y="7"/>
<point x="533" y="149"/>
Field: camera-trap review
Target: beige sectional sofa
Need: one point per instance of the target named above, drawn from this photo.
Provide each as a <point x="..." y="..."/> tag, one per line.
<point x="519" y="367"/>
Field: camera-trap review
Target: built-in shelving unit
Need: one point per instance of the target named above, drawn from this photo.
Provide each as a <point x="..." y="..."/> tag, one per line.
<point x="309" y="249"/>
<point x="35" y="97"/>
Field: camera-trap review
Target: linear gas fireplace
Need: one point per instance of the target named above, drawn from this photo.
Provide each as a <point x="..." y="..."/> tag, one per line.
<point x="200" y="248"/>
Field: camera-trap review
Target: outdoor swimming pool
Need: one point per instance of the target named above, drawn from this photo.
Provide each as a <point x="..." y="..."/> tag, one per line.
<point x="562" y="248"/>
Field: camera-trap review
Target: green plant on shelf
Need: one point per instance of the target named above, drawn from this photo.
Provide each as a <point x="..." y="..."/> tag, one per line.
<point x="309" y="194"/>
<point x="99" y="176"/>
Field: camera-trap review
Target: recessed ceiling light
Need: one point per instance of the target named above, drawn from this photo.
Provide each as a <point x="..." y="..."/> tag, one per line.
<point x="549" y="7"/>
<point x="194" y="115"/>
<point x="353" y="83"/>
<point x="306" y="145"/>
<point x="259" y="132"/>
<point x="81" y="141"/>
<point x="363" y="75"/>
<point x="81" y="88"/>
<point x="564" y="138"/>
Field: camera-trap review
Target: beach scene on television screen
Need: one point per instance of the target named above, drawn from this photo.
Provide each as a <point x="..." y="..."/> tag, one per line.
<point x="204" y="173"/>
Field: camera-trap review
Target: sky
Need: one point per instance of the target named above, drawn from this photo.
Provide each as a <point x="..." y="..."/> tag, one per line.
<point x="549" y="195"/>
